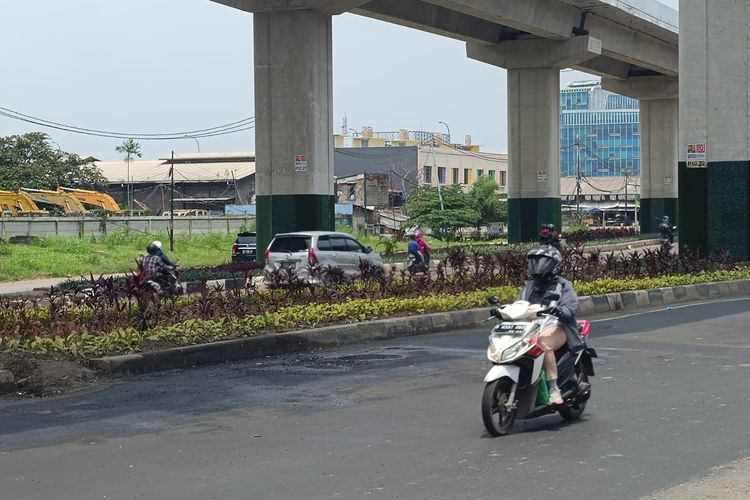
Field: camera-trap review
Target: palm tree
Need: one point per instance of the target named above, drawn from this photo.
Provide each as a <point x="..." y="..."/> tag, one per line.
<point x="129" y="148"/>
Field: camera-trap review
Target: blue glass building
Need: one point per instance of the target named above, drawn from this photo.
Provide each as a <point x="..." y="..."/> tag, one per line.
<point x="606" y="127"/>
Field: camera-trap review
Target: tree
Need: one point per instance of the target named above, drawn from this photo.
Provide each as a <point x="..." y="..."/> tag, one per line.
<point x="129" y="148"/>
<point x="424" y="208"/>
<point x="487" y="202"/>
<point x="30" y="161"/>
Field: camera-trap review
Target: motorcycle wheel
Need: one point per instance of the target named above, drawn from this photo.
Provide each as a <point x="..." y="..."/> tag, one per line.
<point x="497" y="419"/>
<point x="574" y="410"/>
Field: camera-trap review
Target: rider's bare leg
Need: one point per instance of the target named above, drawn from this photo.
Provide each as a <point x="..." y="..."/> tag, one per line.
<point x="550" y="340"/>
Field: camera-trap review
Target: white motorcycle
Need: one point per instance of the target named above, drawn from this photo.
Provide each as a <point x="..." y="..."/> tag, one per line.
<point x="515" y="385"/>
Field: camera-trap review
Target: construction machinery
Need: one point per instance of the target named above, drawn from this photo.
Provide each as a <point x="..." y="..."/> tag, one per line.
<point x="19" y="204"/>
<point x="69" y="204"/>
<point x="100" y="201"/>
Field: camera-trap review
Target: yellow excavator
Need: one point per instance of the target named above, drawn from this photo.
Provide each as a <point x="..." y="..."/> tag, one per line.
<point x="69" y="204"/>
<point x="19" y="204"/>
<point x="100" y="201"/>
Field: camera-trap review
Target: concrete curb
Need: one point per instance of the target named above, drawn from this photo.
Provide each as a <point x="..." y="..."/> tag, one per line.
<point x="339" y="335"/>
<point x="7" y="382"/>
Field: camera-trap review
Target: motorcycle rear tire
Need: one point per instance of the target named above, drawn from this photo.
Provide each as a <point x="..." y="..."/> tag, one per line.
<point x="574" y="410"/>
<point x="497" y="419"/>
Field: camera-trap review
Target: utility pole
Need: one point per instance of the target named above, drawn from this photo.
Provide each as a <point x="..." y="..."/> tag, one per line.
<point x="626" y="196"/>
<point x="578" y="179"/>
<point x="171" y="207"/>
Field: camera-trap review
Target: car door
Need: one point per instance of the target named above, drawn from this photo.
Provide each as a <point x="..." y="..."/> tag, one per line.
<point x="356" y="253"/>
<point x="343" y="257"/>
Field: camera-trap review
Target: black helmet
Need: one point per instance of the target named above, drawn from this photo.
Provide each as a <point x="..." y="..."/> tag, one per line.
<point x="152" y="249"/>
<point x="544" y="262"/>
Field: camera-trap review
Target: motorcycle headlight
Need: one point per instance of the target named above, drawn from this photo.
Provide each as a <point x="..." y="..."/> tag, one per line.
<point x="493" y="353"/>
<point x="512" y="351"/>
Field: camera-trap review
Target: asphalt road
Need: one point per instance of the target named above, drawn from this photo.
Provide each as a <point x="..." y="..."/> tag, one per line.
<point x="397" y="419"/>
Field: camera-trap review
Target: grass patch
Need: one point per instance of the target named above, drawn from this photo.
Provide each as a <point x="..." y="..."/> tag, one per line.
<point x="59" y="256"/>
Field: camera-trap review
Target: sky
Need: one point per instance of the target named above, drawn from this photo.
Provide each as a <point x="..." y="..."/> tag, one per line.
<point x="164" y="66"/>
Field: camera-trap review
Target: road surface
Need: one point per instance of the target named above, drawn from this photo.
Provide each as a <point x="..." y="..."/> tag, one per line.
<point x="400" y="420"/>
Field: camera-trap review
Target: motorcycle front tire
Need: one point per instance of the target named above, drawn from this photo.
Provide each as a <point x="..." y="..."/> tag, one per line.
<point x="497" y="419"/>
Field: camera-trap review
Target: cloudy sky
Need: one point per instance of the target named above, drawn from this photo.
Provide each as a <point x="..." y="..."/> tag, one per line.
<point x="163" y="66"/>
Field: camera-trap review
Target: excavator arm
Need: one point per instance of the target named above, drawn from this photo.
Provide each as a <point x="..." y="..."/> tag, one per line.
<point x="96" y="199"/>
<point x="69" y="204"/>
<point x="19" y="204"/>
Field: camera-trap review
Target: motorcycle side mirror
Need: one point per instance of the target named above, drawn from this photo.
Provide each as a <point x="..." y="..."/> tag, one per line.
<point x="493" y="300"/>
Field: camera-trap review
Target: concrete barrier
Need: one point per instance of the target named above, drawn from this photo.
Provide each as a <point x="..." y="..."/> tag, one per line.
<point x="88" y="226"/>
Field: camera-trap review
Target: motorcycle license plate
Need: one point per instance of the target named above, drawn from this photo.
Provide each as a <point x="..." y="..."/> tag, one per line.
<point x="511" y="328"/>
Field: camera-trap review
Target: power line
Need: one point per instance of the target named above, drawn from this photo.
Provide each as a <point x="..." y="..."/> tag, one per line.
<point x="228" y="128"/>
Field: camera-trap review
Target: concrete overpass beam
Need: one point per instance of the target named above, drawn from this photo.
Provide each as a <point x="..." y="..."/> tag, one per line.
<point x="659" y="139"/>
<point x="605" y="67"/>
<point x="533" y="151"/>
<point x="544" y="18"/>
<point x="633" y="47"/>
<point x="433" y="19"/>
<point x="518" y="54"/>
<point x="326" y="6"/>
<point x="293" y="110"/>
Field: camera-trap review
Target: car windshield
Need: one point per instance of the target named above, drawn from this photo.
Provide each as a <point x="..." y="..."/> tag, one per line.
<point x="290" y="244"/>
<point x="246" y="239"/>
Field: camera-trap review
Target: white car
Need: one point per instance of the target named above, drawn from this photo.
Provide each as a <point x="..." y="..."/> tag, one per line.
<point x="325" y="248"/>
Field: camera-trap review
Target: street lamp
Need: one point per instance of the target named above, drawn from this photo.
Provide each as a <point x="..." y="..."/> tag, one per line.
<point x="196" y="141"/>
<point x="449" y="131"/>
<point x="356" y="134"/>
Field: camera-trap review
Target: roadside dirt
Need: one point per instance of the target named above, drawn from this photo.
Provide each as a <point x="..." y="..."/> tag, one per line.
<point x="42" y="376"/>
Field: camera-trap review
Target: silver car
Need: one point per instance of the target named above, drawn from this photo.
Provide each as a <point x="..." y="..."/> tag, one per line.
<point x="325" y="248"/>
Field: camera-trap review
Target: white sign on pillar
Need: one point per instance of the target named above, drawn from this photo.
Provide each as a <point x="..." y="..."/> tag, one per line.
<point x="696" y="156"/>
<point x="541" y="176"/>
<point x="300" y="163"/>
<point x="668" y="180"/>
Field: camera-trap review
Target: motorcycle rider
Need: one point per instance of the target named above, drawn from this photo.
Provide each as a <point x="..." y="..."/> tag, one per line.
<point x="544" y="266"/>
<point x="413" y="249"/>
<point x="162" y="255"/>
<point x="665" y="229"/>
<point x="154" y="268"/>
<point x="423" y="247"/>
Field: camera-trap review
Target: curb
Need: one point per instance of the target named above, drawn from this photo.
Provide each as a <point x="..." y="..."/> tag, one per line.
<point x="7" y="382"/>
<point x="352" y="333"/>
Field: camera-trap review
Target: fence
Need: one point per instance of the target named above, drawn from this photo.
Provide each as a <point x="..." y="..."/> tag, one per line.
<point x="86" y="226"/>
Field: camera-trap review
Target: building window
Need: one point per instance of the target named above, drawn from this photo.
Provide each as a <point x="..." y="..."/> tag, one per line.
<point x="480" y="173"/>
<point x="502" y="178"/>
<point x="427" y="174"/>
<point x="454" y="176"/>
<point x="441" y="175"/>
<point x="491" y="174"/>
<point x="468" y="177"/>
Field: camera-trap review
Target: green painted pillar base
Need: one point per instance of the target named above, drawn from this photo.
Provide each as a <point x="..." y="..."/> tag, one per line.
<point x="526" y="216"/>
<point x="715" y="207"/>
<point x="285" y="213"/>
<point x="652" y="210"/>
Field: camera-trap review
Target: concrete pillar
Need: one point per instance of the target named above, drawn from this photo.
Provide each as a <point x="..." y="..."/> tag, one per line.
<point x="294" y="123"/>
<point x="659" y="134"/>
<point x="533" y="151"/>
<point x="714" y="145"/>
<point x="659" y="131"/>
<point x="534" y="124"/>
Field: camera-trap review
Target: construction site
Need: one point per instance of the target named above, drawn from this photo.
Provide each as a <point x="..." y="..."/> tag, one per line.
<point x="62" y="201"/>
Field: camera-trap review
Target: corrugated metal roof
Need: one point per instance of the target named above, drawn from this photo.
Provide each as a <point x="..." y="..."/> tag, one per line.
<point x="600" y="186"/>
<point x="158" y="170"/>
